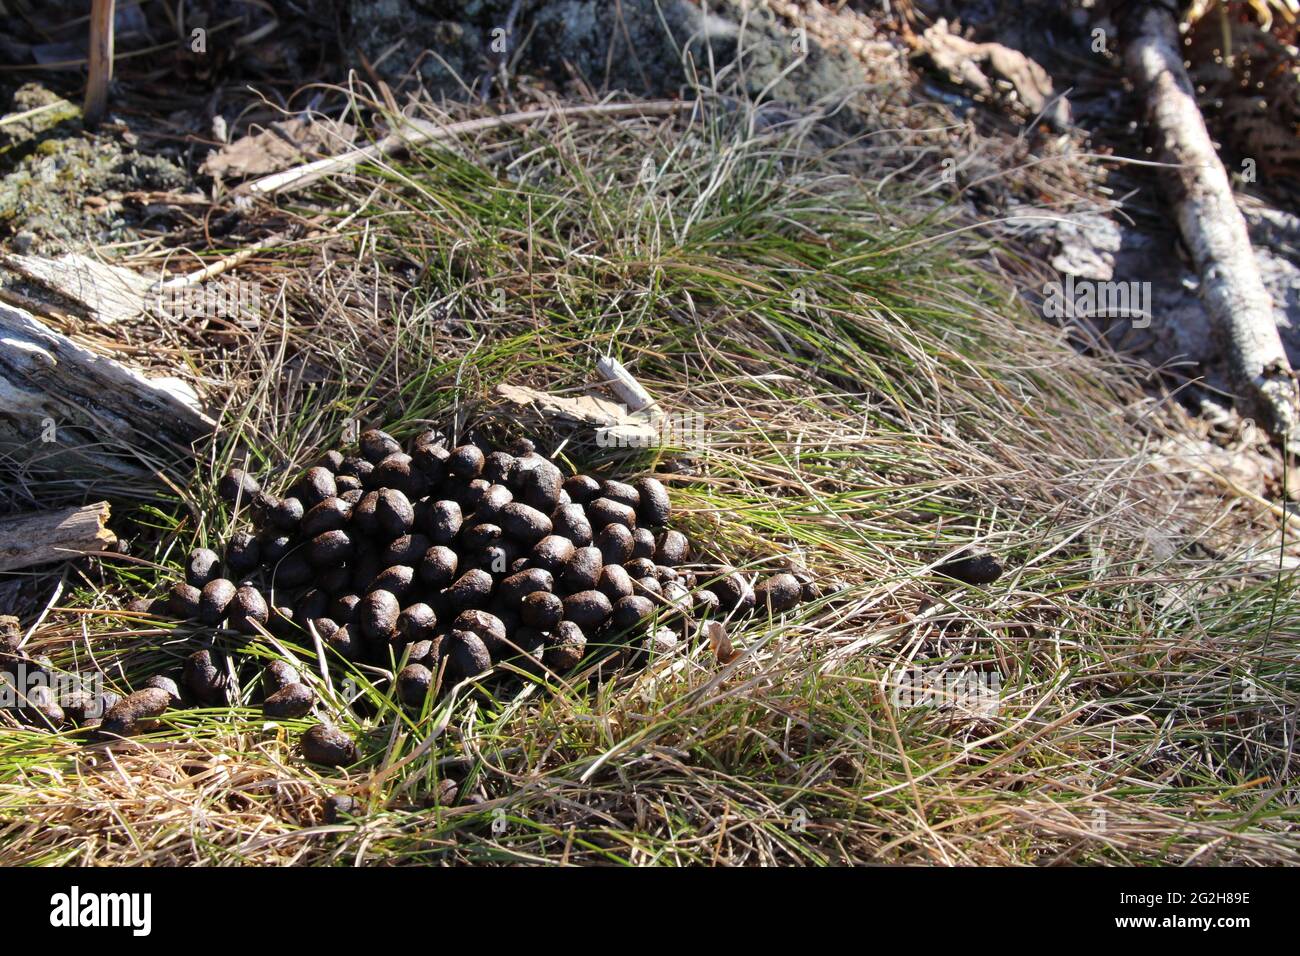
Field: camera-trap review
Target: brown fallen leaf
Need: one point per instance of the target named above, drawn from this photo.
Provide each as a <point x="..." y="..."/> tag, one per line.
<point x="720" y="642"/>
<point x="280" y="146"/>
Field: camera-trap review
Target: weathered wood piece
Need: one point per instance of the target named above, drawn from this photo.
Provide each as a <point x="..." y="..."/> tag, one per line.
<point x="44" y="537"/>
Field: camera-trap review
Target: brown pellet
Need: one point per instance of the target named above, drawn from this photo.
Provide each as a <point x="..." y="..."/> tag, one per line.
<point x="329" y="746"/>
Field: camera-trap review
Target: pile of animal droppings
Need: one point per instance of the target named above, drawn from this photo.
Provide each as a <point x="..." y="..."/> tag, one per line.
<point x="440" y="564"/>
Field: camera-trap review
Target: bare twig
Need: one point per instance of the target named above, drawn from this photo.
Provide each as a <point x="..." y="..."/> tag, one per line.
<point x="413" y="132"/>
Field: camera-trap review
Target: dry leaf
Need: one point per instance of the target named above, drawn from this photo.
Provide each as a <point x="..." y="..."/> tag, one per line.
<point x="280" y="146"/>
<point x="720" y="642"/>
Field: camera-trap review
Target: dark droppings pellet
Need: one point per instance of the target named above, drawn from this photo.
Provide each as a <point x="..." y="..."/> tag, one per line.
<point x="204" y="679"/>
<point x="673" y="549"/>
<point x="275" y="547"/>
<point x="552" y="553"/>
<point x="972" y="565"/>
<point x="443" y="522"/>
<point x="621" y="492"/>
<point x="312" y="604"/>
<point x="490" y="629"/>
<point x="408" y="549"/>
<point x="128" y="715"/>
<point x="630" y="611"/>
<point x="607" y="511"/>
<point x="414" y="682"/>
<point x="184" y="601"/>
<point x="378" y="615"/>
<point x="583" y="570"/>
<point x="439" y="566"/>
<point x="643" y="543"/>
<point x="292" y="700"/>
<point x="278" y="675"/>
<point x="247" y="610"/>
<point x="236" y="485"/>
<point x="582" y="489"/>
<point x="397" y="580"/>
<point x="654" y="507"/>
<point x="481" y="535"/>
<point x="614" y="582"/>
<point x="524" y="523"/>
<point x="286" y="514"/>
<point x="315" y="485"/>
<point x="542" y="610"/>
<point x="417" y="623"/>
<point x="396" y="472"/>
<point x="570" y="521"/>
<point x="468" y="655"/>
<point x="332" y="514"/>
<point x="376" y="445"/>
<point x="330" y="549"/>
<point x="163" y="682"/>
<point x="778" y="593"/>
<point x="243" y="553"/>
<point x="565" y="648"/>
<point x="734" y="593"/>
<point x="340" y="807"/>
<point x="615" y="544"/>
<point x="328" y="746"/>
<point x="394" y="514"/>
<point x="587" y="609"/>
<point x="204" y="565"/>
<point x="331" y="461"/>
<point x="466" y="462"/>
<point x="472" y="589"/>
<point x="214" y="599"/>
<point x="517" y="586"/>
<point x="498" y="466"/>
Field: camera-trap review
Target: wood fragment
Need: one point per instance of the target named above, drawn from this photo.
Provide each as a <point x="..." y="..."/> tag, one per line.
<point x="588" y="411"/>
<point x="58" y="395"/>
<point x="43" y="537"/>
<point x="95" y="290"/>
<point x="1211" y="223"/>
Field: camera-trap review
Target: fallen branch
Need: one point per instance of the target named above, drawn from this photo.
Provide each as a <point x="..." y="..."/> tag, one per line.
<point x="413" y="132"/>
<point x="43" y="537"/>
<point x="1210" y="221"/>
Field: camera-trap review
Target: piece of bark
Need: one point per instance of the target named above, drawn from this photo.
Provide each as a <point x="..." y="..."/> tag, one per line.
<point x="43" y="537"/>
<point x="1209" y="219"/>
<point x="57" y="395"/>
